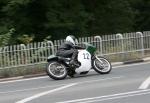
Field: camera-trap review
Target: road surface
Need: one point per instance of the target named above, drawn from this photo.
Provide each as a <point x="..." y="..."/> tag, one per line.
<point x="125" y="84"/>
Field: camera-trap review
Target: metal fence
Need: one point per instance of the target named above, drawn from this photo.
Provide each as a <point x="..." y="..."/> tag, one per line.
<point x="117" y="47"/>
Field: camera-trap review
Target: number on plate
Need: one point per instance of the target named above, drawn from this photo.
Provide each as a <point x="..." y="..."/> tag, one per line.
<point x="86" y="55"/>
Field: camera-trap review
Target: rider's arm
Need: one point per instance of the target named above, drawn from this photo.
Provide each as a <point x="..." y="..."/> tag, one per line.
<point x="71" y="46"/>
<point x="78" y="47"/>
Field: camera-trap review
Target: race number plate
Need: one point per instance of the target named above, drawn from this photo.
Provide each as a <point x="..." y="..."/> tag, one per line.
<point x="85" y="58"/>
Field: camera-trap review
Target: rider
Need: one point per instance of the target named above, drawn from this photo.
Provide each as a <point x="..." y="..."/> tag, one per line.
<point x="69" y="50"/>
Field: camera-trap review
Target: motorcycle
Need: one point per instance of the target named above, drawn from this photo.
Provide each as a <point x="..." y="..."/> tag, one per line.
<point x="59" y="67"/>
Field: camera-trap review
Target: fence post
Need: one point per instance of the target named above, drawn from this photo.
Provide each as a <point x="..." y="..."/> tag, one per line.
<point x="41" y="51"/>
<point x="100" y="42"/>
<point x="23" y="54"/>
<point x="6" y="60"/>
<point x="52" y="46"/>
<point x="120" y="36"/>
<point x="142" y="42"/>
<point x="1" y="58"/>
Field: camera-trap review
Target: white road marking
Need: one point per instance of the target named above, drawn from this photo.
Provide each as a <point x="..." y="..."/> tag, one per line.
<point x="145" y="84"/>
<point x="47" y="76"/>
<point x="117" y="97"/>
<point x="109" y="97"/>
<point x="90" y="81"/>
<point x="19" y="80"/>
<point x="44" y="93"/>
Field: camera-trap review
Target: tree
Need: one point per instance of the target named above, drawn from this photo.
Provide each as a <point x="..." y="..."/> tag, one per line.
<point x="110" y="16"/>
<point x="56" y="19"/>
<point x="26" y="16"/>
<point x="141" y="8"/>
<point x="66" y="17"/>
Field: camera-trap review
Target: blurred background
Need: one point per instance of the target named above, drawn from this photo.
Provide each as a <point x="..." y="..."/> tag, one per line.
<point x="25" y="21"/>
<point x="32" y="30"/>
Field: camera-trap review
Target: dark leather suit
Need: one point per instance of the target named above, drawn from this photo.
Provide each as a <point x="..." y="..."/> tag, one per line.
<point x="68" y="50"/>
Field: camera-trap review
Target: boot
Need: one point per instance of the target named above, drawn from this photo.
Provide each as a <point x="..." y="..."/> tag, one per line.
<point x="74" y="60"/>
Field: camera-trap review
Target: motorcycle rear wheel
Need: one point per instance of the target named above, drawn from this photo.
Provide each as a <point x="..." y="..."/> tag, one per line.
<point x="101" y="65"/>
<point x="56" y="70"/>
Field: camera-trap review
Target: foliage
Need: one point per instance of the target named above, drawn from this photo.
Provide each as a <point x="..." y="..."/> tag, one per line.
<point x="5" y="38"/>
<point x="142" y="17"/>
<point x="110" y="16"/>
<point x="25" y="39"/>
<point x="58" y="18"/>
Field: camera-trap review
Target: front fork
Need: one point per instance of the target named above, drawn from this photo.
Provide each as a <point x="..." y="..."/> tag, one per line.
<point x="96" y="57"/>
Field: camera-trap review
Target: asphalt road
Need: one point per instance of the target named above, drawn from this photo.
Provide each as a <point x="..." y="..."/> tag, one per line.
<point x="125" y="84"/>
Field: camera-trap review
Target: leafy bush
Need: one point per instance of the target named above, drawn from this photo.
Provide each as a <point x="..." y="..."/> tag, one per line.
<point x="25" y="39"/>
<point x="5" y="38"/>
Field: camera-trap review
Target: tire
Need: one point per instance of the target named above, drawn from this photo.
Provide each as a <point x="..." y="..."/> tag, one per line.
<point x="103" y="67"/>
<point x="56" y="70"/>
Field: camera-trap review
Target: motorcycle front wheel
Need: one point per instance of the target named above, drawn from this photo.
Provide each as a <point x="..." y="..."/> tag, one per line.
<point x="56" y="70"/>
<point x="101" y="65"/>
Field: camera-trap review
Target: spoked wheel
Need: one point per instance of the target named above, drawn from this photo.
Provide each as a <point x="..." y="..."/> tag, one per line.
<point x="101" y="65"/>
<point x="56" y="70"/>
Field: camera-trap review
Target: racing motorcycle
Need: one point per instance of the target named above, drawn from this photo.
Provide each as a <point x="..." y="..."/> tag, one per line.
<point x="59" y="67"/>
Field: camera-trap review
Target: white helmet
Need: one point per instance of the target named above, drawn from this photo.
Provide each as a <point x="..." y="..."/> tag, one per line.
<point x="71" y="39"/>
